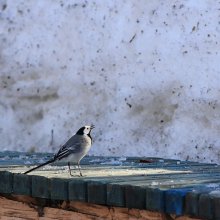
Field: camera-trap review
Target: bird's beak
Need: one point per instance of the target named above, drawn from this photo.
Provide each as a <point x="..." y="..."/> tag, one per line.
<point x="92" y="126"/>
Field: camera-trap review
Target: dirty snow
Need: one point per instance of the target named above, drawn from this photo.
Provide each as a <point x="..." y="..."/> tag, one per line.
<point x="146" y="73"/>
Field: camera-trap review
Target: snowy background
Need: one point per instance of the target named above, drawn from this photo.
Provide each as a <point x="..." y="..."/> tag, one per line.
<point x="146" y="73"/>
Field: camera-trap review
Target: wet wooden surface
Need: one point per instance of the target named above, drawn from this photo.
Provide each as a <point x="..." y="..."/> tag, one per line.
<point x="155" y="184"/>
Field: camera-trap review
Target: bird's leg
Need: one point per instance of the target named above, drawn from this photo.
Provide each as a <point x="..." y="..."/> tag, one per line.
<point x="79" y="169"/>
<point x="69" y="169"/>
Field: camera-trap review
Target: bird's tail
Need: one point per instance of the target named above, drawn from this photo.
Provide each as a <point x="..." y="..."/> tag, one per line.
<point x="41" y="165"/>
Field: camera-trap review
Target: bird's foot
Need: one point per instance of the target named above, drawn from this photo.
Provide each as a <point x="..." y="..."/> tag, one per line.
<point x="80" y="175"/>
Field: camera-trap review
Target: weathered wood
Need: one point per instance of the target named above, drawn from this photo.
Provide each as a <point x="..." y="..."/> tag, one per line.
<point x="59" y="189"/>
<point x="21" y="184"/>
<point x="41" y="187"/>
<point x="155" y="200"/>
<point x="131" y="195"/>
<point x="175" y="200"/>
<point x="78" y="190"/>
<point x="20" y="208"/>
<point x="115" y="195"/>
<point x="6" y="182"/>
<point x="59" y="214"/>
<point x="90" y="209"/>
<point x="155" y="184"/>
<point x="16" y="210"/>
<point x="214" y="200"/>
<point x="97" y="192"/>
<point x="205" y="206"/>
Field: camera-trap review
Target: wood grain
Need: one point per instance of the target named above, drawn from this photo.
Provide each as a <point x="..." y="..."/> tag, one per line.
<point x="28" y="208"/>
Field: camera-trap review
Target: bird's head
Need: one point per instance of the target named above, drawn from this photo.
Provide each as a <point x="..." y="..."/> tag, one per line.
<point x="85" y="130"/>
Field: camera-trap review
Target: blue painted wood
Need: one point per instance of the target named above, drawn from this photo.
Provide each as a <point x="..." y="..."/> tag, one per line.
<point x="205" y="206"/>
<point x="59" y="189"/>
<point x="192" y="198"/>
<point x="41" y="187"/>
<point x="174" y="200"/>
<point x="191" y="203"/>
<point x="135" y="197"/>
<point x="178" y="193"/>
<point x="6" y="182"/>
<point x="21" y="184"/>
<point x="115" y="195"/>
<point x="215" y="203"/>
<point x="78" y="190"/>
<point x="97" y="192"/>
<point x="155" y="199"/>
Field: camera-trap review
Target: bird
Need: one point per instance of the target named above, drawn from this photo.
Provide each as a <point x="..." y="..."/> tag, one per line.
<point x="73" y="150"/>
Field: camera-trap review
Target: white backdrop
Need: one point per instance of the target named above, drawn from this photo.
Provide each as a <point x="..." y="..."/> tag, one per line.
<point x="146" y="73"/>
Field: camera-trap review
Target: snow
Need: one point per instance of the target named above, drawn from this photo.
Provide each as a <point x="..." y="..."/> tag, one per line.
<point x="146" y="73"/>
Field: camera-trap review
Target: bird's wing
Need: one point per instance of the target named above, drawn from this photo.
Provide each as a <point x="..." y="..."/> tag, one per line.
<point x="71" y="146"/>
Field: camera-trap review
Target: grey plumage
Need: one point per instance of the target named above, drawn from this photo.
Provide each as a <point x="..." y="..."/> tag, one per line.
<point x="73" y="150"/>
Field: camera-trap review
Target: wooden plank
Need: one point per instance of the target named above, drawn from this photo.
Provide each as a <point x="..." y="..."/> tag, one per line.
<point x="131" y="195"/>
<point x="170" y="198"/>
<point x="165" y="182"/>
<point x="103" y="212"/>
<point x="159" y="184"/>
<point x="138" y="181"/>
<point x="92" y="189"/>
<point x="155" y="199"/>
<point x="127" y="194"/>
<point x="59" y="214"/>
<point x="215" y="201"/>
<point x="205" y="207"/>
<point x="10" y="209"/>
<point x="168" y="182"/>
<point x="204" y="202"/>
<point x="116" y="190"/>
<point x="97" y="192"/>
<point x="175" y="200"/>
<point x="98" y="211"/>
<point x="59" y="189"/>
<point x="21" y="184"/>
<point x="78" y="190"/>
<point x="115" y="195"/>
<point x="192" y="199"/>
<point x="6" y="182"/>
<point x="191" y="203"/>
<point x="41" y="187"/>
<point x="20" y="209"/>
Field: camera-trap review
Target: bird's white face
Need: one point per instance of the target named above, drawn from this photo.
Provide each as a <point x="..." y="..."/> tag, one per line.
<point x="87" y="129"/>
